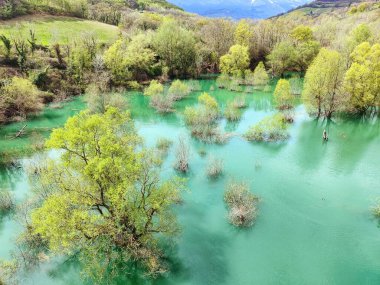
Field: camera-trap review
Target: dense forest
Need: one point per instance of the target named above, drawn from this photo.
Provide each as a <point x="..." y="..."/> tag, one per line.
<point x="104" y="199"/>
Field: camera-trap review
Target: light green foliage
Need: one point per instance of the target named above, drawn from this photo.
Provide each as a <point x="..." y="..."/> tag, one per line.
<point x="302" y="33"/>
<point x="283" y="97"/>
<point x="19" y="98"/>
<point x="106" y="198"/>
<point x="240" y="101"/>
<point x="296" y="85"/>
<point x="208" y="101"/>
<point x="323" y="87"/>
<point x="231" y="112"/>
<point x="361" y="33"/>
<point x="98" y="101"/>
<point x="236" y="61"/>
<point x="282" y="57"/>
<point x="305" y="53"/>
<point x="178" y="90"/>
<point x="260" y="76"/>
<point x="242" y="204"/>
<point x="194" y="85"/>
<point x="223" y="81"/>
<point x="243" y="33"/>
<point x="176" y="46"/>
<point x="272" y="128"/>
<point x="162" y="102"/>
<point x="362" y="80"/>
<point x="130" y="60"/>
<point x="154" y="88"/>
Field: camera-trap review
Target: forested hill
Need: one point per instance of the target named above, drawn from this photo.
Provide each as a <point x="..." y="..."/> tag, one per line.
<point x="102" y="10"/>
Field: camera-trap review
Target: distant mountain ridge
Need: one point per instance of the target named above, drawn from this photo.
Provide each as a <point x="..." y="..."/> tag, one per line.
<point x="237" y="9"/>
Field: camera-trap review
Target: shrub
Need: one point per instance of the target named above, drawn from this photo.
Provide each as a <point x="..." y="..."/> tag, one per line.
<point x="282" y="96"/>
<point x="260" y="76"/>
<point x="19" y="98"/>
<point x="194" y="85"/>
<point x="154" y="88"/>
<point x="242" y="204"/>
<point x="214" y="167"/>
<point x="162" y="103"/>
<point x="235" y="85"/>
<point x="295" y="85"/>
<point x="163" y="145"/>
<point x="272" y="128"/>
<point x="178" y="90"/>
<point x="202" y="121"/>
<point x="223" y="81"/>
<point x="98" y="101"/>
<point x="6" y="202"/>
<point x="208" y="101"/>
<point x="231" y="112"/>
<point x="249" y="78"/>
<point x="182" y="155"/>
<point x="240" y="102"/>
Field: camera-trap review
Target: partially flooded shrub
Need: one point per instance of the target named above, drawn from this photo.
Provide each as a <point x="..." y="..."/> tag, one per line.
<point x="162" y="103"/>
<point x="240" y="101"/>
<point x="267" y="88"/>
<point x="99" y="100"/>
<point x="241" y="203"/>
<point x="295" y="85"/>
<point x="194" y="85"/>
<point x="7" y="203"/>
<point x="223" y="81"/>
<point x="283" y="97"/>
<point x="215" y="167"/>
<point x="163" y="145"/>
<point x="202" y="121"/>
<point x="178" y="90"/>
<point x="249" y="78"/>
<point x="260" y="76"/>
<point x="272" y="128"/>
<point x="208" y="101"/>
<point x="154" y="88"/>
<point x="235" y="86"/>
<point x="231" y="112"/>
<point x="182" y="155"/>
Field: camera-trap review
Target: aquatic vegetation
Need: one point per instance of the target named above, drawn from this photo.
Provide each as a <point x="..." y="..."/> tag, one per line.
<point x="215" y="167"/>
<point x="260" y="76"/>
<point x="163" y="144"/>
<point x="240" y="101"/>
<point x="269" y="129"/>
<point x="162" y="103"/>
<point x="283" y="97"/>
<point x="7" y="203"/>
<point x="194" y="85"/>
<point x="231" y="112"/>
<point x="208" y="101"/>
<point x="178" y="90"/>
<point x="154" y="88"/>
<point x="223" y="81"/>
<point x="241" y="203"/>
<point x="296" y="85"/>
<point x="182" y="155"/>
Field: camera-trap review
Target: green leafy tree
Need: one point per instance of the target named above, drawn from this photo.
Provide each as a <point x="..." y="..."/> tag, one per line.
<point x="283" y="97"/>
<point x="178" y="90"/>
<point x="260" y="76"/>
<point x="243" y="33"/>
<point x="154" y="88"/>
<point x="19" y="98"/>
<point x="236" y="61"/>
<point x="323" y="88"/>
<point x="362" y="80"/>
<point x="302" y="33"/>
<point x="282" y="58"/>
<point x="176" y="46"/>
<point x="106" y="200"/>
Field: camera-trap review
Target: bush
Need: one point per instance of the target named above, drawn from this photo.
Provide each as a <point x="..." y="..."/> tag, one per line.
<point x="242" y="204"/>
<point x="154" y="88"/>
<point x="283" y="97"/>
<point x="162" y="103"/>
<point x="202" y="121"/>
<point x="249" y="78"/>
<point x="6" y="202"/>
<point x="178" y="90"/>
<point x="231" y="112"/>
<point x="163" y="145"/>
<point x="223" y="81"/>
<point x="295" y="85"/>
<point x="194" y="85"/>
<point x="260" y="76"/>
<point x="235" y="85"/>
<point x="98" y="101"/>
<point x="182" y="155"/>
<point x="19" y="98"/>
<point x="208" y="101"/>
<point x="272" y="128"/>
<point x="214" y="167"/>
<point x="240" y="102"/>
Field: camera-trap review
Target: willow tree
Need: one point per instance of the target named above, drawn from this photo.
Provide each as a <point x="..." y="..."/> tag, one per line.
<point x="362" y="80"/>
<point x="236" y="61"/>
<point x="323" y="92"/>
<point x="283" y="97"/>
<point x="260" y="76"/>
<point x="106" y="200"/>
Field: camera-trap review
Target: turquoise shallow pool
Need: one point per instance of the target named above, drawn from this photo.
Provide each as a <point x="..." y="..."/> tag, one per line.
<point x="315" y="225"/>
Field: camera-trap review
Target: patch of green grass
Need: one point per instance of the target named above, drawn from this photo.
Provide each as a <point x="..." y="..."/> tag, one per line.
<point x="52" y="29"/>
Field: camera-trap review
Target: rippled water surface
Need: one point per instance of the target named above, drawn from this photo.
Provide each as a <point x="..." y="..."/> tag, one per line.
<point x="315" y="224"/>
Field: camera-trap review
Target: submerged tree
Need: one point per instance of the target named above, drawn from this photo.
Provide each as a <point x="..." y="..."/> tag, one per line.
<point x="178" y="90"/>
<point x="106" y="199"/>
<point x="283" y="97"/>
<point x="362" y="80"/>
<point x="323" y="88"/>
<point x="260" y="76"/>
<point x="154" y="88"/>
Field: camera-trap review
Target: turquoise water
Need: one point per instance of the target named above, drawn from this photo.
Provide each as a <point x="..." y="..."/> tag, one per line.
<point x="314" y="227"/>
